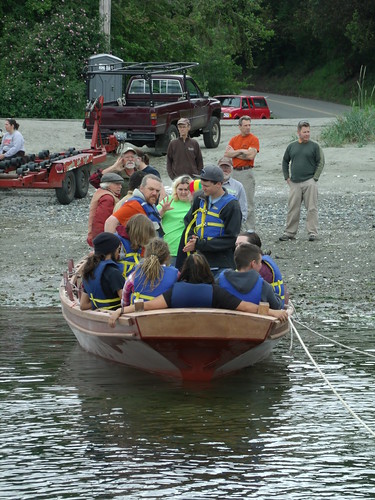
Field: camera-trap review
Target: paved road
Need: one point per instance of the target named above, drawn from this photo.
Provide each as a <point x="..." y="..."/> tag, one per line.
<point x="298" y="107"/>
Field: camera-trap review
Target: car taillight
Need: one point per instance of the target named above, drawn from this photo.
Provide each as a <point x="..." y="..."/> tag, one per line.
<point x="154" y="119"/>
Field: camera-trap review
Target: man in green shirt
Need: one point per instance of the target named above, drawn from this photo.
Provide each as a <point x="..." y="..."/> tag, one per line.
<point x="303" y="163"/>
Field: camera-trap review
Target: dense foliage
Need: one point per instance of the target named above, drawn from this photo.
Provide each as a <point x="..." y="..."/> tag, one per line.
<point x="43" y="50"/>
<point x="314" y="47"/>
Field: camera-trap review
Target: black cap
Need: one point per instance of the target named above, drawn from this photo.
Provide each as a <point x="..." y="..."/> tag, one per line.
<point x="212" y="173"/>
<point x="105" y="243"/>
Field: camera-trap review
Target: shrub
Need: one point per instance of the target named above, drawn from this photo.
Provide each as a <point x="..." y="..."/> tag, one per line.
<point x="41" y="68"/>
<point x="357" y="126"/>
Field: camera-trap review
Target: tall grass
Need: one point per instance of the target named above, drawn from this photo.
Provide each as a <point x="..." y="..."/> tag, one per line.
<point x="356" y="126"/>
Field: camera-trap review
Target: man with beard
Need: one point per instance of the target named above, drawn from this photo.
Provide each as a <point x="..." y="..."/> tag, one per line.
<point x="125" y="166"/>
<point x="143" y="201"/>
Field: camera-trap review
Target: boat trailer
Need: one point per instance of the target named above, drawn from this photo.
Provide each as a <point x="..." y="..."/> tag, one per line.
<point x="67" y="171"/>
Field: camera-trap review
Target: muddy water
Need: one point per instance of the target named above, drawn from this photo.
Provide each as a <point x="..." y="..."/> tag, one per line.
<point x="75" y="426"/>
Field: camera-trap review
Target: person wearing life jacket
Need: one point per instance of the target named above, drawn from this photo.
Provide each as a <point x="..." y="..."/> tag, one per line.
<point x="196" y="288"/>
<point x="101" y="276"/>
<point x="212" y="223"/>
<point x="102" y="204"/>
<point x="134" y="237"/>
<point x="269" y="271"/>
<point x="151" y="278"/>
<point x="143" y="201"/>
<point x="246" y="282"/>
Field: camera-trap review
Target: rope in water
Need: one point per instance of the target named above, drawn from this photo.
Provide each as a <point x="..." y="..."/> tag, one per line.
<point x="335" y="341"/>
<point x="352" y="412"/>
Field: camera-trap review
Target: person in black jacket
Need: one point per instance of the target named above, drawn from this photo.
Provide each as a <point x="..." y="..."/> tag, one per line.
<point x="212" y="223"/>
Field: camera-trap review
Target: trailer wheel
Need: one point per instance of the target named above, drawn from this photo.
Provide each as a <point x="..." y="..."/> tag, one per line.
<point x="82" y="182"/>
<point x="211" y="136"/>
<point x="163" y="141"/>
<point x="66" y="193"/>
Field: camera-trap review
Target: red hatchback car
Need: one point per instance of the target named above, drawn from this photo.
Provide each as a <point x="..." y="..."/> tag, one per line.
<point x="235" y="106"/>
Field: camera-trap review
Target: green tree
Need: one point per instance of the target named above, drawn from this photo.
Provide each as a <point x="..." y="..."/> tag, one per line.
<point x="42" y="62"/>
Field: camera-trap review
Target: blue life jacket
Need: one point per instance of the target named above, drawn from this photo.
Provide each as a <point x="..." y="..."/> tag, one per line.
<point x="277" y="280"/>
<point x="142" y="289"/>
<point x="151" y="212"/>
<point x="254" y="295"/>
<point x="93" y="288"/>
<point x="208" y="223"/>
<point x="191" y="295"/>
<point x="131" y="258"/>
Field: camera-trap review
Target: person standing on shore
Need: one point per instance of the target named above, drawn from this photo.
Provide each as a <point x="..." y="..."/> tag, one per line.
<point x="233" y="186"/>
<point x="103" y="203"/>
<point x="243" y="149"/>
<point x="302" y="165"/>
<point x="124" y="166"/>
<point x="184" y="156"/>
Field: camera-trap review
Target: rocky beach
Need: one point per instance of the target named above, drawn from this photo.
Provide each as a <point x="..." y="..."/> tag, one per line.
<point x="330" y="279"/>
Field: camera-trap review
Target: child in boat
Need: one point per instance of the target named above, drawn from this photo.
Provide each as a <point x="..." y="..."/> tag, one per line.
<point x="269" y="271"/>
<point x="246" y="282"/>
<point x="134" y="237"/>
<point x="101" y="275"/>
<point x="196" y="288"/>
<point x="150" y="278"/>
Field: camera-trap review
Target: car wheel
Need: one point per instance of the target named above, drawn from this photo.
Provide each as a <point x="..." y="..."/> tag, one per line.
<point x="212" y="134"/>
<point x="163" y="141"/>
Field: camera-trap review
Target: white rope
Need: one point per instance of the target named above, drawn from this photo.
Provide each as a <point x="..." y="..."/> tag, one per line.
<point x="335" y="341"/>
<point x="352" y="412"/>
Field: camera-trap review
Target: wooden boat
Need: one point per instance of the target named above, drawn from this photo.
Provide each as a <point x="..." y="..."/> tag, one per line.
<point x="191" y="344"/>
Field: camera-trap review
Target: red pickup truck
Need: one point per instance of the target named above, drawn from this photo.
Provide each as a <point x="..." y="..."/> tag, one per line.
<point x="153" y="101"/>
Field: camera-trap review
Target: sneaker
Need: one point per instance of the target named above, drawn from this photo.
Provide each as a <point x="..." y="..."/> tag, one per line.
<point x="312" y="237"/>
<point x="286" y="237"/>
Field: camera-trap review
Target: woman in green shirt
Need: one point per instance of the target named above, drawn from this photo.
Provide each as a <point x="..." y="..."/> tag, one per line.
<point x="173" y="210"/>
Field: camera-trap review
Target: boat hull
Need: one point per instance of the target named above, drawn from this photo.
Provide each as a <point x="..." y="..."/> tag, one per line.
<point x="190" y="344"/>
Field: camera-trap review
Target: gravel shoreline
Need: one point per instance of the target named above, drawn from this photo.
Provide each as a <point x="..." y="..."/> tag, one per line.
<point x="329" y="279"/>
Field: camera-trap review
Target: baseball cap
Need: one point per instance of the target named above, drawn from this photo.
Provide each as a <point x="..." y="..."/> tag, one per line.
<point x="129" y="148"/>
<point x="212" y="173"/>
<point x="225" y="161"/>
<point x="185" y="121"/>
<point x="112" y="178"/>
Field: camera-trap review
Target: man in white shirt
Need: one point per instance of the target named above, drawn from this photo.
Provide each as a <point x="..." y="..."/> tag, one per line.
<point x="233" y="186"/>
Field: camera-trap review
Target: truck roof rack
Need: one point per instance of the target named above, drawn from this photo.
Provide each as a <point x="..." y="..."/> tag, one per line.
<point x="143" y="69"/>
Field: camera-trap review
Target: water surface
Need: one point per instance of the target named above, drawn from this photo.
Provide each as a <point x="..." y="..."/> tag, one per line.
<point x="76" y="426"/>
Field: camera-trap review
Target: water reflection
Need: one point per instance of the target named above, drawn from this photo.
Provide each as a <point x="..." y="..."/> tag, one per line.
<point x="76" y="426"/>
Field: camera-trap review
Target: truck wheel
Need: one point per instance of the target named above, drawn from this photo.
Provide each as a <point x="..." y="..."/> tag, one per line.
<point x="211" y="135"/>
<point x="163" y="141"/>
<point x="66" y="193"/>
<point x="82" y="182"/>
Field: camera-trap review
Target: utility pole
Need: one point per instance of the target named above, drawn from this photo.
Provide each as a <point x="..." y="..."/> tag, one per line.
<point x="105" y="16"/>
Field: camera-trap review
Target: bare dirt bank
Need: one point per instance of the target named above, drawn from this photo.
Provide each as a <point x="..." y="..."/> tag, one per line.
<point x="331" y="278"/>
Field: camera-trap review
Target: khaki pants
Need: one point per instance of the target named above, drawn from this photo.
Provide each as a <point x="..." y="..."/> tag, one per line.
<point x="248" y="180"/>
<point x="306" y="192"/>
